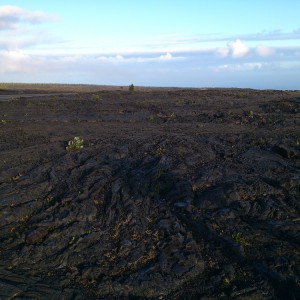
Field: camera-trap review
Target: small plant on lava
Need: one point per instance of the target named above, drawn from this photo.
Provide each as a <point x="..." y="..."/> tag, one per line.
<point x="75" y="144"/>
<point x="95" y="98"/>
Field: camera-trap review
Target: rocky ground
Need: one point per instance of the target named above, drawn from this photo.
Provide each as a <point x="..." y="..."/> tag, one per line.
<point x="176" y="194"/>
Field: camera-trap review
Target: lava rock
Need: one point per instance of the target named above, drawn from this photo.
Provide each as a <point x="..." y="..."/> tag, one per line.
<point x="36" y="236"/>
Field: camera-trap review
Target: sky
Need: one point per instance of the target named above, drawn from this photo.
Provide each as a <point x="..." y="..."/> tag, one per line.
<point x="190" y="43"/>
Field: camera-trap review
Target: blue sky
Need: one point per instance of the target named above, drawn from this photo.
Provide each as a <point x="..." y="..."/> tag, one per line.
<point x="189" y="43"/>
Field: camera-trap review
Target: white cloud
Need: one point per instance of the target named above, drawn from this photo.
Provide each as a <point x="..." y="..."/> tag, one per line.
<point x="21" y="62"/>
<point x="18" y="30"/>
<point x="238" y="49"/>
<point x="222" y="52"/>
<point x="113" y="59"/>
<point x="287" y="65"/>
<point x="235" y="49"/>
<point x="264" y="51"/>
<point x="22" y="39"/>
<point x="13" y="61"/>
<point x="167" y="56"/>
<point x="11" y="16"/>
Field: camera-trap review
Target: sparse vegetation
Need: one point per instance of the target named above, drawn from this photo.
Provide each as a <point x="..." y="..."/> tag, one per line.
<point x="75" y="144"/>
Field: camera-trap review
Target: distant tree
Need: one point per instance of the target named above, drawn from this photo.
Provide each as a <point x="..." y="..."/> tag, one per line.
<point x="131" y="88"/>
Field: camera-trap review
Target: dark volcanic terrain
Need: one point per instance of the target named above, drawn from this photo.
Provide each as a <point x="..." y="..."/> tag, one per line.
<point x="176" y="194"/>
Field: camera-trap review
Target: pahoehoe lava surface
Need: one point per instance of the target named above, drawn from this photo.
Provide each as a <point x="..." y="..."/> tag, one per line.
<point x="176" y="194"/>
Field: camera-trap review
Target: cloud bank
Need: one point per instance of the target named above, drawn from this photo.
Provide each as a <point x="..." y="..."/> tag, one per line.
<point x="139" y="59"/>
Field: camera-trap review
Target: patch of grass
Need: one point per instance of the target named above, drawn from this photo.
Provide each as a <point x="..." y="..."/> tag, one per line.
<point x="151" y="118"/>
<point x="180" y="102"/>
<point x="226" y="282"/>
<point x="200" y="125"/>
<point x="160" y="151"/>
<point x="240" y="239"/>
<point x="49" y="199"/>
<point x="75" y="144"/>
<point x="261" y="141"/>
<point x="72" y="240"/>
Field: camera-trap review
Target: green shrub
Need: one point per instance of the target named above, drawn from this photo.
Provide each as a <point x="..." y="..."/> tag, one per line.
<point x="95" y="98"/>
<point x="251" y="114"/>
<point x="75" y="144"/>
<point x="151" y="118"/>
<point x="131" y="88"/>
